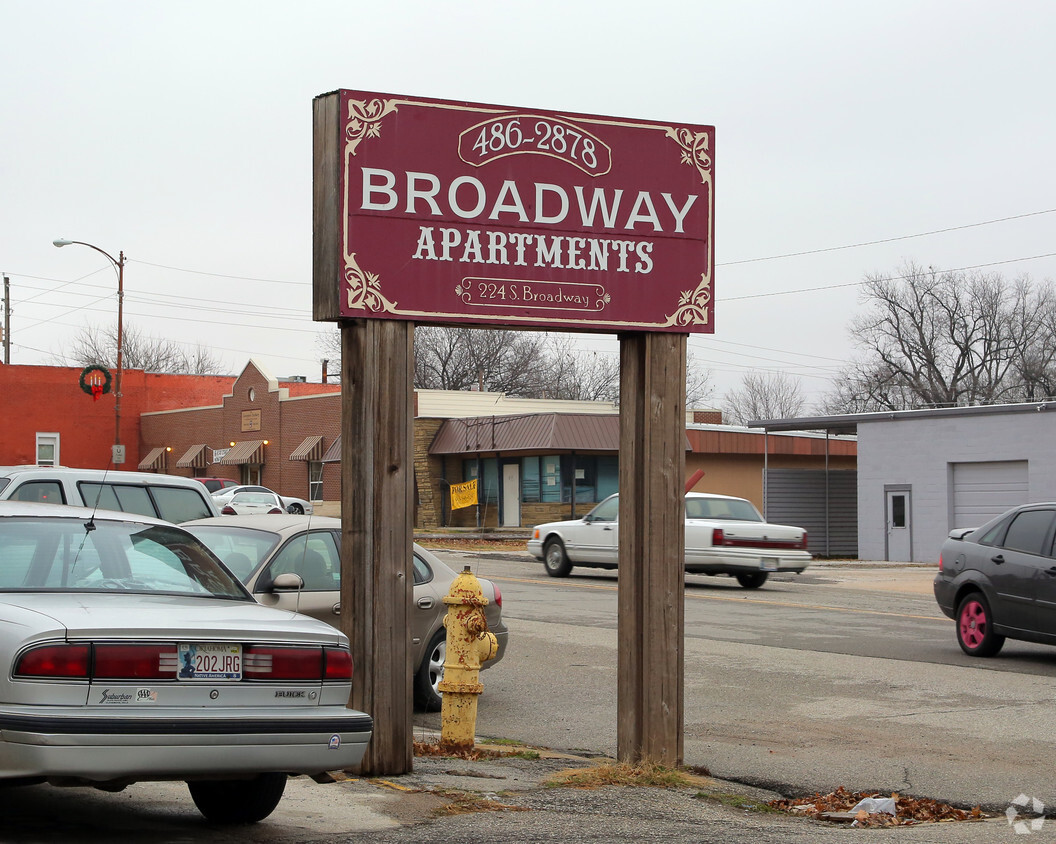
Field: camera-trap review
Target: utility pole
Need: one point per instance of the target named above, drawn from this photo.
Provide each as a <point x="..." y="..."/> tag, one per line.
<point x="7" y="320"/>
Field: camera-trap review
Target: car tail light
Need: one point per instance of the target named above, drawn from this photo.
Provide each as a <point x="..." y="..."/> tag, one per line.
<point x="498" y="595"/>
<point x="228" y="511"/>
<point x="803" y="542"/>
<point x="718" y="537"/>
<point x="338" y="664"/>
<point x="274" y="510"/>
<point x="278" y="663"/>
<point x="159" y="661"/>
<point x="940" y="562"/>
<point x="55" y="661"/>
<point x="134" y="662"/>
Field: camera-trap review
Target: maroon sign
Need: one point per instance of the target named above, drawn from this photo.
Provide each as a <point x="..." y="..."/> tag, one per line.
<point x="480" y="214"/>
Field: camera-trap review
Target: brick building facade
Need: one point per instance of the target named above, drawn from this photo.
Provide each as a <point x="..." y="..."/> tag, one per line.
<point x="285" y="435"/>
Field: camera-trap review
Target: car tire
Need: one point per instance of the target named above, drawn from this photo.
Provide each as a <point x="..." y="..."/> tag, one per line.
<point x="555" y="560"/>
<point x="752" y="579"/>
<point x="975" y="626"/>
<point x="295" y="509"/>
<point x="238" y="801"/>
<point x="430" y="673"/>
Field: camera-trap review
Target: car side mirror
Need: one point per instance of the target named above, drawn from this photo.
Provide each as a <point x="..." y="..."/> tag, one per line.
<point x="287" y="582"/>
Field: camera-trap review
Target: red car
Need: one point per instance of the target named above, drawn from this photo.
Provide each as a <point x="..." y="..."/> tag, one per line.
<point x="217" y="484"/>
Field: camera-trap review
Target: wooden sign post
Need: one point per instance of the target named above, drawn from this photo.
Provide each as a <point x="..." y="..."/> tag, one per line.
<point x="649" y="716"/>
<point x="456" y="213"/>
<point x="377" y="530"/>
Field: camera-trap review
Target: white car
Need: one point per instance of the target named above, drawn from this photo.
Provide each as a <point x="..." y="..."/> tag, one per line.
<point x="724" y="535"/>
<point x="168" y="497"/>
<point x="252" y="504"/>
<point x="296" y="506"/>
<point x="128" y="652"/>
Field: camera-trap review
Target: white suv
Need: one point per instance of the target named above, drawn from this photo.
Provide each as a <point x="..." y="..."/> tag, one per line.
<point x="169" y="497"/>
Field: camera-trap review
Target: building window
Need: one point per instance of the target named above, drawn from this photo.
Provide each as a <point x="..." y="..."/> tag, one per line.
<point x="488" y="486"/>
<point x="251" y="473"/>
<point x="608" y="476"/>
<point x="490" y="493"/>
<point x="580" y="472"/>
<point x="47" y="449"/>
<point x="315" y="481"/>
<point x="530" y="478"/>
<point x="551" y="478"/>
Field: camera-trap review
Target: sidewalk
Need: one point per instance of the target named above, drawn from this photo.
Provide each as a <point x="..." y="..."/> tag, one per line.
<point x="510" y="800"/>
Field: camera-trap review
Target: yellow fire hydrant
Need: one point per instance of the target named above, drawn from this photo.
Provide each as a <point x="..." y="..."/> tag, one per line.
<point x="469" y="645"/>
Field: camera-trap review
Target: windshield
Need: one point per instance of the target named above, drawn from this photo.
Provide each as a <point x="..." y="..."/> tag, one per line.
<point x="242" y="549"/>
<point x="728" y="509"/>
<point x="43" y="554"/>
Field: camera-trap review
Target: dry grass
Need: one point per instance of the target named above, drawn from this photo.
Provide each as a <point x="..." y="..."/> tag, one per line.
<point x="620" y="773"/>
<point x="465" y="804"/>
<point x="475" y="754"/>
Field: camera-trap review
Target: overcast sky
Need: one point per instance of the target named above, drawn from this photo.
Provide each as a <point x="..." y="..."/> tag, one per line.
<point x="180" y="133"/>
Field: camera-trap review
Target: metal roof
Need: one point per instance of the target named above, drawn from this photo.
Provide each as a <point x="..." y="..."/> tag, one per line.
<point x="848" y="423"/>
<point x="531" y="432"/>
<point x="528" y="432"/>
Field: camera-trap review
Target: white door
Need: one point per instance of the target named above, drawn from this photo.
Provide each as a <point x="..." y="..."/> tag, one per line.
<point x="899" y="532"/>
<point x="511" y="495"/>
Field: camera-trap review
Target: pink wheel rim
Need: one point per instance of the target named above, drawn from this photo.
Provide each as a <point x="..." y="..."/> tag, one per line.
<point x="973" y="624"/>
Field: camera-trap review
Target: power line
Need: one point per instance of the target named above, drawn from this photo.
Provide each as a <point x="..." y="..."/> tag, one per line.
<point x="886" y="239"/>
<point x="222" y="275"/>
<point x="889" y="278"/>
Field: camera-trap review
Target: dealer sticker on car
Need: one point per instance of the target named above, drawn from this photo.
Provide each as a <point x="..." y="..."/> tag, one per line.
<point x="210" y="661"/>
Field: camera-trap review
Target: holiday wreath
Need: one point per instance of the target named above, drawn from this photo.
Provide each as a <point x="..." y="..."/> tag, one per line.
<point x="95" y="380"/>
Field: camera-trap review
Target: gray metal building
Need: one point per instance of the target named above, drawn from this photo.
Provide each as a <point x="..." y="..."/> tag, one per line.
<point x="922" y="473"/>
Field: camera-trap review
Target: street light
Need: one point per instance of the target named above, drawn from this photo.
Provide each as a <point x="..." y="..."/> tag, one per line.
<point x="120" y="264"/>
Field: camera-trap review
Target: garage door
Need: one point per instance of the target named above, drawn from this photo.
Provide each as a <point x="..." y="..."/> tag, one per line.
<point x="984" y="490"/>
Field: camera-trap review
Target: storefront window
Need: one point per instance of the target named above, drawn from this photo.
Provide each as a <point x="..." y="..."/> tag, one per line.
<point x="530" y="478"/>
<point x="551" y="478"/>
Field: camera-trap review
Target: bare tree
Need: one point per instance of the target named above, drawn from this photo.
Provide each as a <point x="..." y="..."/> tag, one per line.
<point x="699" y="387"/>
<point x="572" y="373"/>
<point x="447" y="358"/>
<point x="935" y="339"/>
<point x="764" y="395"/>
<point x="96" y="345"/>
<point x="521" y="363"/>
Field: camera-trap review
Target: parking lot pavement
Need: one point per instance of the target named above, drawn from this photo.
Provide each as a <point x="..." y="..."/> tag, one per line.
<point x="509" y="800"/>
<point x="451" y="799"/>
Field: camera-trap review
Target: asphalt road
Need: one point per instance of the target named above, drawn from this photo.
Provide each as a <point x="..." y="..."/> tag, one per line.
<point x="844" y="675"/>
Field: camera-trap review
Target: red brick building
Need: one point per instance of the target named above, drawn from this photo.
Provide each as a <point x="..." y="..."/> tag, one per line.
<point x="48" y="418"/>
<point x="535" y="460"/>
<point x="261" y="432"/>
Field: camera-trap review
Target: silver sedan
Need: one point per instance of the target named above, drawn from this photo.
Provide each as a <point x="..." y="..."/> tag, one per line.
<point x="294" y="562"/>
<point x="129" y="653"/>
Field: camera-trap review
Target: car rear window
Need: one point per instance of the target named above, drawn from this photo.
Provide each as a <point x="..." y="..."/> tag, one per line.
<point x="171" y="503"/>
<point x="70" y="555"/>
<point x="46" y="492"/>
<point x="179" y="504"/>
<point x="241" y="549"/>
<point x="731" y="509"/>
